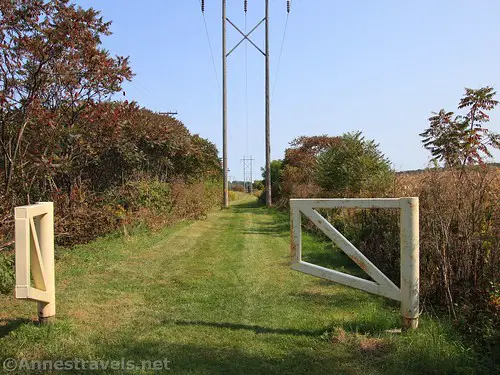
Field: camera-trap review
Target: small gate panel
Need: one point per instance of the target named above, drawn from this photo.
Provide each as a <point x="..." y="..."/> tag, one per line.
<point x="381" y="284"/>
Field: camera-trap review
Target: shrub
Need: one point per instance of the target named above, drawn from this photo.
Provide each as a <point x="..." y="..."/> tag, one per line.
<point x="149" y="202"/>
<point x="298" y="170"/>
<point x="332" y="166"/>
<point x="258" y="193"/>
<point x="459" y="239"/>
<point x="65" y="141"/>
<point x="155" y="203"/>
<point x="232" y="196"/>
<point x="258" y="185"/>
<point x="7" y="276"/>
<point x="238" y="188"/>
<point x="82" y="216"/>
<point x="355" y="166"/>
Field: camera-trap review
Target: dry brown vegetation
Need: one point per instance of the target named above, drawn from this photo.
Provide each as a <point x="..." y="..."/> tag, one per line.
<point x="459" y="234"/>
<point x="459" y="231"/>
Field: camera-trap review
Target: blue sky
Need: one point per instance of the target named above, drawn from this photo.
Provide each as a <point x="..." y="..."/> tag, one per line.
<point x="376" y="66"/>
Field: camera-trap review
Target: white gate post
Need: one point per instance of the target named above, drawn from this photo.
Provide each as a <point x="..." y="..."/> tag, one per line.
<point x="296" y="234"/>
<point x="34" y="237"/>
<point x="409" y="227"/>
<point x="47" y="311"/>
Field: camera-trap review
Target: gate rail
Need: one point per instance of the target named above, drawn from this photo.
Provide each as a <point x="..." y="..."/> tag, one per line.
<point x="407" y="293"/>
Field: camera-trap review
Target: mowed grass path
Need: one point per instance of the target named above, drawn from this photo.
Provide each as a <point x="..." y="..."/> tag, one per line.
<point x="217" y="296"/>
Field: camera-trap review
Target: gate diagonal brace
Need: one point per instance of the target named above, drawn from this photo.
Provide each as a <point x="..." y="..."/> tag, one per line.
<point x="385" y="286"/>
<point x="408" y="293"/>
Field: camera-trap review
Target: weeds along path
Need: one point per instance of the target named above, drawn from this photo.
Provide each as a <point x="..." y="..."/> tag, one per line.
<point x="217" y="296"/>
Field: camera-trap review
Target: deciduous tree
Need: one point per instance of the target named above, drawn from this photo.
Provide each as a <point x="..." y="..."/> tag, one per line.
<point x="52" y="70"/>
<point x="464" y="139"/>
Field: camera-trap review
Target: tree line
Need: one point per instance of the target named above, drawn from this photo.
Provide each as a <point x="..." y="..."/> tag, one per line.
<point x="65" y="138"/>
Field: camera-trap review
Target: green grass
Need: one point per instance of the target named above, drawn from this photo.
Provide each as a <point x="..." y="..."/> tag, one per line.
<point x="217" y="296"/>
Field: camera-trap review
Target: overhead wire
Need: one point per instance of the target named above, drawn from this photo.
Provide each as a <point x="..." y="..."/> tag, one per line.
<point x="202" y="5"/>
<point x="288" y="7"/>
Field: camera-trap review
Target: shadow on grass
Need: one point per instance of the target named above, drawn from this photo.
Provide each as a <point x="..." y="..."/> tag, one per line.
<point x="197" y="358"/>
<point x="9" y="325"/>
<point x="315" y="358"/>
<point x="276" y="227"/>
<point x="371" y="315"/>
<point x="247" y="327"/>
<point x="276" y="230"/>
<point x="248" y="206"/>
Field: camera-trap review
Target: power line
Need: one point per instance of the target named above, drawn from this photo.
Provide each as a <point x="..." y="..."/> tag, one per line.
<point x="202" y="5"/>
<point x="288" y="6"/>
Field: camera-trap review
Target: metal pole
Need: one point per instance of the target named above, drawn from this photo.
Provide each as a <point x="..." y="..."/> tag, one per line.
<point x="224" y="108"/>
<point x="251" y="175"/>
<point x="268" y="116"/>
<point x="244" y="160"/>
<point x="409" y="227"/>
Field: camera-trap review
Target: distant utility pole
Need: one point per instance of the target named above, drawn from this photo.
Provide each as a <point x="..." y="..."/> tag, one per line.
<point x="248" y="173"/>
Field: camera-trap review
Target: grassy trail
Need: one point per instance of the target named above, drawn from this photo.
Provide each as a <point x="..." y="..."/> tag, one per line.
<point x="217" y="296"/>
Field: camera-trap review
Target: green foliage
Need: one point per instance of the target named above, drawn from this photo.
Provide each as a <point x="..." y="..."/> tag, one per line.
<point x="276" y="166"/>
<point x="7" y="276"/>
<point x="258" y="184"/>
<point x="445" y="137"/>
<point x="301" y="158"/>
<point x="353" y="166"/>
<point x="235" y="196"/>
<point x="147" y="202"/>
<point x="258" y="194"/>
<point x="340" y="166"/>
<point x="148" y="193"/>
<point x="458" y="226"/>
<point x="232" y="196"/>
<point x="298" y="170"/>
<point x="141" y="143"/>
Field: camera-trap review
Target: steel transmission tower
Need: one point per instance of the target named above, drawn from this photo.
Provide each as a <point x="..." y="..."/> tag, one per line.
<point x="248" y="173"/>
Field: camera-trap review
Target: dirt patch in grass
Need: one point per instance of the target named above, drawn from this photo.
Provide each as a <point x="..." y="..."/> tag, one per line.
<point x="373" y="346"/>
<point x="339" y="336"/>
